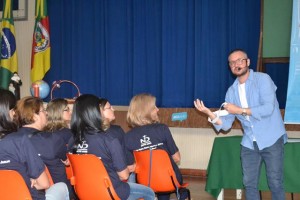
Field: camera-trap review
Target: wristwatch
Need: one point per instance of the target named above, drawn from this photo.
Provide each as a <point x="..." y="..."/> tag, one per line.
<point x="244" y="112"/>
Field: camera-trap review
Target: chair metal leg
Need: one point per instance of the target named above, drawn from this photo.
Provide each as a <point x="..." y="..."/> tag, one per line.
<point x="189" y="195"/>
<point x="260" y="195"/>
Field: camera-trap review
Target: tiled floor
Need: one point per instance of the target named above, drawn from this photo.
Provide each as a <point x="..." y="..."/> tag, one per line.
<point x="197" y="189"/>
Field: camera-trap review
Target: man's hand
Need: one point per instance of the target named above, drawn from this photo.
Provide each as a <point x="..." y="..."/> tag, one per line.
<point x="233" y="109"/>
<point x="199" y="105"/>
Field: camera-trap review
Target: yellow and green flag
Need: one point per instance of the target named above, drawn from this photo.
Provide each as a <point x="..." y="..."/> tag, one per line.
<point x="9" y="61"/>
<point x="40" y="58"/>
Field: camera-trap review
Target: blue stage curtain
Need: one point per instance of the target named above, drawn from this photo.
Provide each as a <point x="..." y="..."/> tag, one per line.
<point x="174" y="49"/>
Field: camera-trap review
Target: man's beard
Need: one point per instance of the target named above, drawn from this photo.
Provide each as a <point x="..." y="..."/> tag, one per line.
<point x="243" y="72"/>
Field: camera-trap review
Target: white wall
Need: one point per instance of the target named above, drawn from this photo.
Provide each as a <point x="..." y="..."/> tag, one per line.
<point x="24" y="33"/>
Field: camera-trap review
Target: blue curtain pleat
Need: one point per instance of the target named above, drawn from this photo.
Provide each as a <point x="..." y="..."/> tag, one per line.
<point x="174" y="49"/>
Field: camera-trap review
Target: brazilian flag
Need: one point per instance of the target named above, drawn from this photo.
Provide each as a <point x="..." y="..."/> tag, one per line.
<point x="9" y="61"/>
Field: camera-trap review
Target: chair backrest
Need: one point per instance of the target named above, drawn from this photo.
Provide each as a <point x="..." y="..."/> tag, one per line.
<point x="90" y="178"/>
<point x="13" y="186"/>
<point x="154" y="169"/>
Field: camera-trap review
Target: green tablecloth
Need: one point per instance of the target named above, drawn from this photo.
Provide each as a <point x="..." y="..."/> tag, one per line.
<point x="224" y="167"/>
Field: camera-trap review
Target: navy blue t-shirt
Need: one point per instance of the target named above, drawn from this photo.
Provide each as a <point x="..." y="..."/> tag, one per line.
<point x="110" y="151"/>
<point x="17" y="153"/>
<point x="117" y="132"/>
<point x="51" y="149"/>
<point x="151" y="136"/>
<point x="65" y="134"/>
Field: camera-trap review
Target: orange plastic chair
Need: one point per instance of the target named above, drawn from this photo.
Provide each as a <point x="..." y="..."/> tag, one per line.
<point x="90" y="178"/>
<point x="13" y="186"/>
<point x="154" y="169"/>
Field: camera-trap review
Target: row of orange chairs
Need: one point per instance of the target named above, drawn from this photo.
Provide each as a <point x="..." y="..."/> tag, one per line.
<point x="153" y="169"/>
<point x="87" y="174"/>
<point x="91" y="181"/>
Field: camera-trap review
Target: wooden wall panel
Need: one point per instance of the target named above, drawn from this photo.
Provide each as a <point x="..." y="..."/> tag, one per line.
<point x="195" y="119"/>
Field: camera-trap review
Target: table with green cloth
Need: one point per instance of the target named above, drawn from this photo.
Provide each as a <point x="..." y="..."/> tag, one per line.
<point x="224" y="169"/>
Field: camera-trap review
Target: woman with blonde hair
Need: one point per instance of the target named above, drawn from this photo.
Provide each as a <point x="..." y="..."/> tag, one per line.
<point x="58" y="118"/>
<point x="58" y="124"/>
<point x="147" y="133"/>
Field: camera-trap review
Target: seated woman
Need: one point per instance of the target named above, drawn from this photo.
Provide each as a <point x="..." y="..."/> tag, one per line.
<point x="146" y="131"/>
<point x="58" y="124"/>
<point x="91" y="136"/>
<point x="19" y="154"/>
<point x="58" y="119"/>
<point x="108" y="116"/>
<point x="30" y="117"/>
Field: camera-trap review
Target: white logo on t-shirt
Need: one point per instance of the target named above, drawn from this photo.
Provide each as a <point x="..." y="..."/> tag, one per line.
<point x="145" y="141"/>
<point x="82" y="148"/>
<point x="4" y="162"/>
